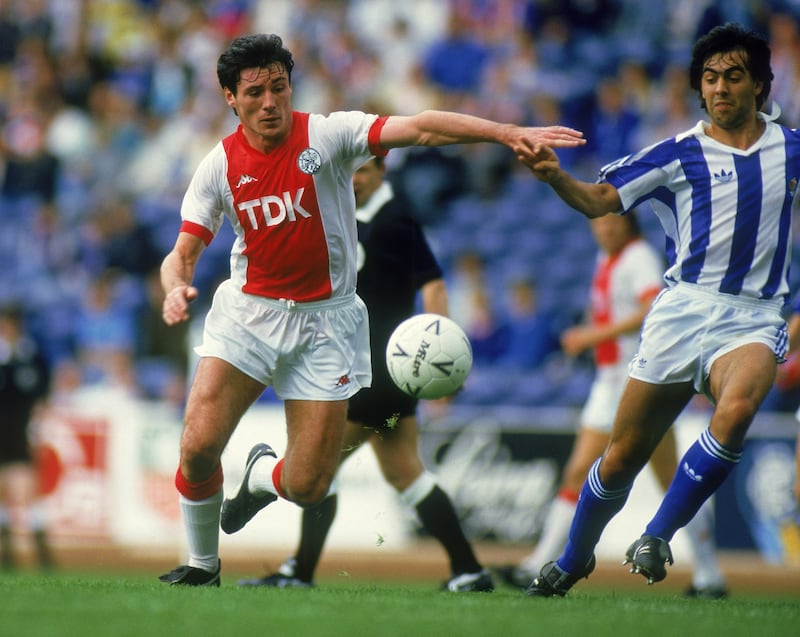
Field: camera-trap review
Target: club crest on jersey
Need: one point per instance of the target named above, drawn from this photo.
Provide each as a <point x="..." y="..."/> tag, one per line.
<point x="793" y="186"/>
<point x="309" y="161"/>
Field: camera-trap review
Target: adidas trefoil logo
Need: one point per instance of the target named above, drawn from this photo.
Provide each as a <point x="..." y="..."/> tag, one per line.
<point x="691" y="473"/>
<point x="724" y="177"/>
<point x="245" y="179"/>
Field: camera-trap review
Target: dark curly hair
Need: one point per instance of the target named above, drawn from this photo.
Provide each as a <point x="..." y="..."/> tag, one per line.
<point x="725" y="39"/>
<point x="252" y="51"/>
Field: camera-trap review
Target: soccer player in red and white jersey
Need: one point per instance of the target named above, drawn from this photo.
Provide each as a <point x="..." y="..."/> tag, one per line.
<point x="628" y="276"/>
<point x="724" y="192"/>
<point x="288" y="316"/>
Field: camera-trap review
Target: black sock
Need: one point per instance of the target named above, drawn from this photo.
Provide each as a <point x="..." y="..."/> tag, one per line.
<point x="317" y="521"/>
<point x="439" y="518"/>
<point x="6" y="548"/>
<point x="43" y="553"/>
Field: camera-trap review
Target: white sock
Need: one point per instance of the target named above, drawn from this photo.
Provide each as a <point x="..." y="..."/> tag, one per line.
<point x="418" y="490"/>
<point x="260" y="482"/>
<point x="37" y="518"/>
<point x="201" y="521"/>
<point x="554" y="535"/>
<point x="700" y="533"/>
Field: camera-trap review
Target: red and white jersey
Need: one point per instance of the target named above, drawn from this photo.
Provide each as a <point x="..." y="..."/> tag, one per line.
<point x="292" y="209"/>
<point x="620" y="283"/>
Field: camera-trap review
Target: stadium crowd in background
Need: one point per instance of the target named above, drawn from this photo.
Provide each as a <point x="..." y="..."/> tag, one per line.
<point x="107" y="107"/>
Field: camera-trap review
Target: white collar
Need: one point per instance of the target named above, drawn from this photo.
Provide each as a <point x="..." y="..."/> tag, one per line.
<point x="378" y="200"/>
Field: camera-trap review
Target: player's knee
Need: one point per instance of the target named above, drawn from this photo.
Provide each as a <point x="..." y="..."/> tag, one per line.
<point x="306" y="491"/>
<point x="198" y="458"/>
<point x="620" y="466"/>
<point x="736" y="412"/>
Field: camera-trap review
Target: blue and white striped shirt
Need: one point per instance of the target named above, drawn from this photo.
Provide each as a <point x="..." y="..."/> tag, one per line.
<point x="726" y="212"/>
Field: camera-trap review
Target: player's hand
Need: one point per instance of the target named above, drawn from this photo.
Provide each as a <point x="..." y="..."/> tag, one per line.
<point x="543" y="162"/>
<point x="528" y="141"/>
<point x="575" y="340"/>
<point x="176" y="304"/>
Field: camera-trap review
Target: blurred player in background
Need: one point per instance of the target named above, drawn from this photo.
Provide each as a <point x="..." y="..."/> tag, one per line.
<point x="627" y="277"/>
<point x="24" y="385"/>
<point x="723" y="192"/>
<point x="395" y="262"/>
<point x="794" y="345"/>
<point x="288" y="317"/>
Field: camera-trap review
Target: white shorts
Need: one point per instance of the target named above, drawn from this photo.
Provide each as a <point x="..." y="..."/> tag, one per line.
<point x="600" y="408"/>
<point x="689" y="327"/>
<point x="305" y="351"/>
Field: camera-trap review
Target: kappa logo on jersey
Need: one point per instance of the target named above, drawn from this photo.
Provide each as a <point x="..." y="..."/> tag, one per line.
<point x="309" y="161"/>
<point x="724" y="176"/>
<point x="245" y="179"/>
<point x="274" y="209"/>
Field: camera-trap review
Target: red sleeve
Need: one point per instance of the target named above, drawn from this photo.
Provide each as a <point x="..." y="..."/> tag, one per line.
<point x="374" y="137"/>
<point x="198" y="231"/>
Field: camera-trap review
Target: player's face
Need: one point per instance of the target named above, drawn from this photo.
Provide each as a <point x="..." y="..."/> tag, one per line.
<point x="366" y="181"/>
<point x="729" y="91"/>
<point x="611" y="232"/>
<point x="263" y="101"/>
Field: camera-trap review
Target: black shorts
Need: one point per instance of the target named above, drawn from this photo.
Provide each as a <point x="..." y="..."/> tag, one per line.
<point x="14" y="445"/>
<point x="381" y="404"/>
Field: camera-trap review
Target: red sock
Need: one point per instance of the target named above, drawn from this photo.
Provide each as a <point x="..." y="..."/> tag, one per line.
<point x="568" y="494"/>
<point x="276" y="478"/>
<point x="199" y="490"/>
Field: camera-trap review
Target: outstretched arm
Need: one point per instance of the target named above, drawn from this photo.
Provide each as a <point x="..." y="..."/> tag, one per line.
<point x="593" y="200"/>
<point x="439" y="128"/>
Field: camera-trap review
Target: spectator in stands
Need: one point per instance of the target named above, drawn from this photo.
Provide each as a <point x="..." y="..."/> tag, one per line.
<point x="105" y="336"/>
<point x="530" y="332"/>
<point x="613" y="124"/>
<point x="456" y="61"/>
<point x="473" y="308"/>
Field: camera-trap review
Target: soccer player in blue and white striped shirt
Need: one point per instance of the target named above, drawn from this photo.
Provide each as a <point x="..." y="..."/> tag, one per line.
<point x="723" y="192"/>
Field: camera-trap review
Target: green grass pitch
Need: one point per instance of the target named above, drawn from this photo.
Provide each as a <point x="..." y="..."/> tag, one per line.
<point x="62" y="605"/>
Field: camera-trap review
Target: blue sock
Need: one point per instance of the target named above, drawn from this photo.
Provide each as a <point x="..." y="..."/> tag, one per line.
<point x="596" y="506"/>
<point x="701" y="471"/>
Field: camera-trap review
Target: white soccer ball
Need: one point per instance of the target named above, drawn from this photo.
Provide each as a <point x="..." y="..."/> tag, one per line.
<point x="428" y="356"/>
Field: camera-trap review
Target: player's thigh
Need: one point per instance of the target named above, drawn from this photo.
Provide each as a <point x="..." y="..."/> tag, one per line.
<point x="739" y="381"/>
<point x="397" y="451"/>
<point x="588" y="446"/>
<point x="219" y="397"/>
<point x="315" y="432"/>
